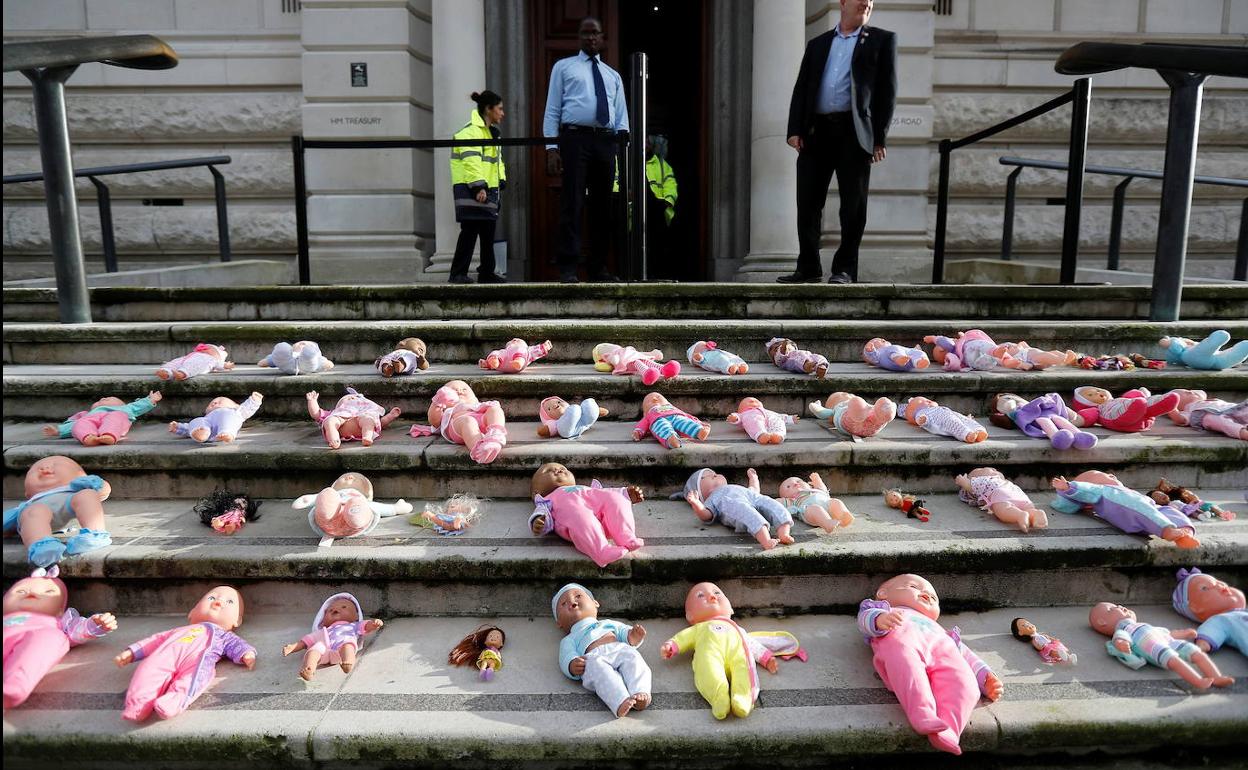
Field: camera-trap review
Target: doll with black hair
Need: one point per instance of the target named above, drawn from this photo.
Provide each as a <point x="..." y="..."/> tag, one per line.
<point x="1050" y="648"/>
<point x="483" y="648"/>
<point x="226" y="511"/>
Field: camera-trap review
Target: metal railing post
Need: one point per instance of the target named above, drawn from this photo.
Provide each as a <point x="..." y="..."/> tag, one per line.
<point x="640" y="185"/>
<point x="301" y="211"/>
<point x="105" y="203"/>
<point x="223" y="217"/>
<point x="1080" y="106"/>
<point x="942" y="213"/>
<point x="1241" y="246"/>
<point x="1007" y="227"/>
<point x="1115" y="223"/>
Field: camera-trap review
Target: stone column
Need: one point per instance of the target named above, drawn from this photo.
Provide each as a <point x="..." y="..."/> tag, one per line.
<point x="779" y="40"/>
<point x="458" y="70"/>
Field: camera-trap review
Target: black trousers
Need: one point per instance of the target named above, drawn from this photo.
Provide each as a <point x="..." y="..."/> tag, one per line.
<point x="660" y="261"/>
<point x="588" y="171"/>
<point x="831" y="149"/>
<point x="470" y="232"/>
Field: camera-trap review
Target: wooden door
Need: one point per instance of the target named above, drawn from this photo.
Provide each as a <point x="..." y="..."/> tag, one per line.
<point x="554" y="36"/>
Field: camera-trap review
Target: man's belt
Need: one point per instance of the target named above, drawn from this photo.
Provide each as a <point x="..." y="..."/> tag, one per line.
<point x="572" y="128"/>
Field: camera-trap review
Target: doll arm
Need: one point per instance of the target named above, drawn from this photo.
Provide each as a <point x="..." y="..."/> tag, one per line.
<point x="867" y="617"/>
<point x="733" y="418"/>
<point x="621" y="631"/>
<point x="751" y="476"/>
<point x="685" y="639"/>
<point x="1213" y="632"/>
<point x="365" y="627"/>
<point x="238" y="650"/>
<point x="139" y="407"/>
<point x="65" y="429"/>
<point x="978" y="667"/>
<point x="314" y="409"/>
<point x="790" y="419"/>
<point x="816" y="481"/>
<point x="567" y="654"/>
<point x="144" y="647"/>
<point x="385" y="510"/>
<point x="79" y="629"/>
<point x="699" y="509"/>
<point x="390" y="416"/>
<point x="249" y="407"/>
<point x="1077" y="492"/>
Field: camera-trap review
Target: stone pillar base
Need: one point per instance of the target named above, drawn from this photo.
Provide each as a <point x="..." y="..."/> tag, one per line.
<point x="766" y="267"/>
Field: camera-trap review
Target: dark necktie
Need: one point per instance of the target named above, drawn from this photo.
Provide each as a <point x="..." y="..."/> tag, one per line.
<point x="600" y="90"/>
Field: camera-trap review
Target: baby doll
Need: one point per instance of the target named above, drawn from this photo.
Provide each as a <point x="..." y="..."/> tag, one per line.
<point x="785" y="354"/>
<point x="39" y="628"/>
<point x="408" y="356"/>
<point x="914" y="507"/>
<point x="943" y="421"/>
<point x="762" y="424"/>
<point x="601" y="653"/>
<point x="853" y="416"/>
<point x="898" y="358"/>
<point x="460" y="418"/>
<point x="1134" y="644"/>
<point x="971" y="350"/>
<point x="811" y="501"/>
<point x="515" y="356"/>
<point x="559" y="418"/>
<point x="176" y="666"/>
<point x="1133" y="412"/>
<point x="586" y="516"/>
<point x="482" y="648"/>
<point x="454" y="518"/>
<point x="1199" y="411"/>
<point x="724" y="655"/>
<point x="227" y="512"/>
<point x="335" y="637"/>
<point x="989" y="489"/>
<point x="303" y="357"/>
<point x="353" y="417"/>
<point x="1034" y="358"/>
<point x="223" y="419"/>
<point x="1206" y="354"/>
<point x="1051" y="649"/>
<point x="706" y="354"/>
<point x="58" y="491"/>
<point x="936" y="678"/>
<point x="1216" y="606"/>
<point x="1123" y="508"/>
<point x="1185" y="499"/>
<point x="1046" y="416"/>
<point x="204" y="359"/>
<point x="106" y="422"/>
<point x="667" y="423"/>
<point x="346" y="508"/>
<point x="628" y="360"/>
<point x="744" y="509"/>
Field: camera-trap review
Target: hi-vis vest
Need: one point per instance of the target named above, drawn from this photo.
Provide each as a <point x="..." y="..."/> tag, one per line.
<point x="476" y="168"/>
<point x="662" y="182"/>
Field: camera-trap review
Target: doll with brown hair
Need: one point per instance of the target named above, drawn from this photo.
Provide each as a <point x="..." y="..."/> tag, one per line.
<point x="227" y="512"/>
<point x="407" y="357"/>
<point x="785" y="354"/>
<point x="1167" y="493"/>
<point x="914" y="507"/>
<point x="335" y="636"/>
<point x="482" y="648"/>
<point x="1050" y="648"/>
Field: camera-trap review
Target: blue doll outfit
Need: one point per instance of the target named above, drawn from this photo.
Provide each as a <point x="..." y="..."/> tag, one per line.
<point x="745" y="510"/>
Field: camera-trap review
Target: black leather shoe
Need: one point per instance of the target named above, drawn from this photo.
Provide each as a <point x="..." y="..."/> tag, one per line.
<point x="568" y="278"/>
<point x="840" y="278"/>
<point x="459" y="279"/>
<point x="604" y="278"/>
<point x="798" y="278"/>
<point x="490" y="278"/>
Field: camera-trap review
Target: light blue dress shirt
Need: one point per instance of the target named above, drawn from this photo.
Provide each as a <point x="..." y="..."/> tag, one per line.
<point x="571" y="98"/>
<point x="834" y="89"/>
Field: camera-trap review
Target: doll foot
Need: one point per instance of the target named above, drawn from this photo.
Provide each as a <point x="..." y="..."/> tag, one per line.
<point x="517" y="365"/>
<point x="641" y="700"/>
<point x="173" y="427"/>
<point x="306" y="673"/>
<point x="335" y="444"/>
<point x="200" y="434"/>
<point x="704" y="433"/>
<point x="673" y="443"/>
<point x="1063" y="439"/>
<point x="821" y="371"/>
<point x="107" y="439"/>
<point x="976" y="438"/>
<point x="225" y="438"/>
<point x="366" y="440"/>
<point x="945" y="740"/>
<point x="1084" y="440"/>
<point x="346" y="667"/>
<point x="670" y="369"/>
<point x="91" y="440"/>
<point x="163" y="374"/>
<point x="769" y="438"/>
<point x="87" y="540"/>
<point x="769" y="544"/>
<point x="1187" y="541"/>
<point x="487" y="674"/>
<point x="626" y="707"/>
<point x="179" y="376"/>
<point x="650" y="376"/>
<point x="786" y="539"/>
<point x="45" y="552"/>
<point x="1039" y="519"/>
<point x="1223" y="681"/>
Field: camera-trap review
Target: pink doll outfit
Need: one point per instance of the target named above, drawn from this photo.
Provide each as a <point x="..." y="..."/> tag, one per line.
<point x="352" y="405"/>
<point x="664" y="421"/>
<point x="1132" y="412"/>
<point x="759" y="421"/>
<point x="108" y="420"/>
<point x="225" y="420"/>
<point x="176" y="666"/>
<point x="629" y="360"/>
<point x="1216" y="415"/>
<point x="987" y="491"/>
<point x="587" y="516"/>
<point x="936" y="678"/>
<point x="329" y="641"/>
<point x="973" y="350"/>
<point x="943" y="421"/>
<point x="447" y="428"/>
<point x="513" y="350"/>
<point x="195" y="363"/>
<point x="1053" y="652"/>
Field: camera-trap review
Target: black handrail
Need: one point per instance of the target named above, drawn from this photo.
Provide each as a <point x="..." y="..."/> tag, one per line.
<point x="1079" y="96"/>
<point x="105" y="204"/>
<point x="1120" y="194"/>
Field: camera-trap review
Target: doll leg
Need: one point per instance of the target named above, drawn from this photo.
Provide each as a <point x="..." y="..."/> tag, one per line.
<point x="662" y="430"/>
<point x="957" y="693"/>
<point x="87" y="429"/>
<point x="177" y="696"/>
<point x="1220" y="423"/>
<point x="635" y="673"/>
<point x="616" y="514"/>
<point x="648" y="370"/>
<point x="816" y="516"/>
<point x="494" y="417"/>
<point x="1012" y="514"/>
<point x="35" y="523"/>
<point x="1189" y="674"/>
<point x="150" y="681"/>
<point x="347" y="653"/>
<point x="1159" y="405"/>
<point x="1060" y="438"/>
<point x="1082" y="439"/>
<point x="741" y="687"/>
<point x="28" y="657"/>
<point x="198" y="429"/>
<point x="311" y="659"/>
<point x="369" y="428"/>
<point x="113" y="427"/>
<point x="690" y="428"/>
<point x="88" y="509"/>
<point x="329" y="429"/>
<point x="905" y="674"/>
<point x="1202" y="661"/>
<point x="711" y="678"/>
<point x="603" y="680"/>
<point x="283" y="358"/>
<point x="776" y="515"/>
<point x="589" y="538"/>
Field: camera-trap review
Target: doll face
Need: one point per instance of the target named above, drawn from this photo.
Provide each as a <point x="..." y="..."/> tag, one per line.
<point x="1207" y="596"/>
<point x="893" y="498"/>
<point x="652" y="400"/>
<point x="220" y="402"/>
<point x="1024" y="627"/>
<point x="875" y="343"/>
<point x="216" y="351"/>
<point x="911" y="591"/>
<point x="915" y="404"/>
<point x="222" y="605"/>
<point x="554" y="407"/>
<point x="414" y="344"/>
<point x="574" y="605"/>
<point x="108" y="401"/>
<point x="782" y="347"/>
<point x="494" y="639"/>
<point x="706" y="601"/>
<point x="550" y="477"/>
<point x="42" y="596"/>
<point x="1007" y="403"/>
<point x="50" y="473"/>
<point x="1099" y="477"/>
<point x="986" y="472"/>
<point x="710" y="482"/>
<point x="1096" y="395"/>
<point x="1105" y="616"/>
<point x="462" y="389"/>
<point x="340" y="610"/>
<point x="749" y="403"/>
<point x="792" y="487"/>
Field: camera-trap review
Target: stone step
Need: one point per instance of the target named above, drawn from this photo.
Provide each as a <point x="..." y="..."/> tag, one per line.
<point x="54" y="391"/>
<point x="403" y="704"/>
<point x="466" y="341"/>
<point x="656" y="301"/>
<point x="161" y="555"/>
<point x="290" y="458"/>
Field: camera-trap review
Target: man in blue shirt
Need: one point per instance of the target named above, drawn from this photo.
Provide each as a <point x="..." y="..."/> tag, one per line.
<point x="842" y="106"/>
<point x="585" y="109"/>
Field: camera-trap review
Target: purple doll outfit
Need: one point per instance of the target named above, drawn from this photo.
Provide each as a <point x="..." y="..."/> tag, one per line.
<point x="883" y="357"/>
<point x="195" y="363"/>
<point x="329" y="641"/>
<point x="1124" y="508"/>
<point x="226" y="420"/>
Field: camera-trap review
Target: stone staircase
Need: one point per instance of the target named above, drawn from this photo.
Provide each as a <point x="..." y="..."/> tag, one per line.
<point x="404" y="705"/>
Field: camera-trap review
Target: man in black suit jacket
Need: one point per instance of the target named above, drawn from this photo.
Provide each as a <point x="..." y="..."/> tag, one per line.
<point x="838" y="120"/>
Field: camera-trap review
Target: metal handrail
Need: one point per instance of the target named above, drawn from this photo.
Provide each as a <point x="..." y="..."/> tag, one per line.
<point x="1120" y="194"/>
<point x="105" y="204"/>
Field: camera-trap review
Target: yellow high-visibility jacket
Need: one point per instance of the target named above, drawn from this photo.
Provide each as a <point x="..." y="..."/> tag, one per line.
<point x="477" y="168"/>
<point x="662" y="182"/>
